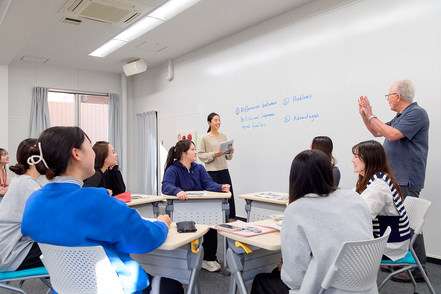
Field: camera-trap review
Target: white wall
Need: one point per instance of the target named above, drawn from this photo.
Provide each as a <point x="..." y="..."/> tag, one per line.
<point x="4" y="106"/>
<point x="23" y="77"/>
<point x="362" y="48"/>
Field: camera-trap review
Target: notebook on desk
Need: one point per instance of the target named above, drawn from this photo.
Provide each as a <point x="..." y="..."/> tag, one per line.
<point x="248" y="229"/>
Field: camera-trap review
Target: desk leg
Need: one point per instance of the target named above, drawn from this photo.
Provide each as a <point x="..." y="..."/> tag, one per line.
<point x="236" y="268"/>
<point x="248" y="208"/>
<point x="169" y="208"/>
<point x="194" y="265"/>
<point x="155" y="206"/>
<point x="226" y="209"/>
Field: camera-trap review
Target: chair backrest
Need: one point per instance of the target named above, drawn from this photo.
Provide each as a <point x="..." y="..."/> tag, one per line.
<point x="356" y="266"/>
<point x="416" y="209"/>
<point x="85" y="270"/>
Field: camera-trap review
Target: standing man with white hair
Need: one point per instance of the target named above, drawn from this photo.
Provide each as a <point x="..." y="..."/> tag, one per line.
<point x="406" y="144"/>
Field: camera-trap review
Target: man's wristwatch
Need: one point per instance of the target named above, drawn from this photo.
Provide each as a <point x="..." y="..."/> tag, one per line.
<point x="371" y="117"/>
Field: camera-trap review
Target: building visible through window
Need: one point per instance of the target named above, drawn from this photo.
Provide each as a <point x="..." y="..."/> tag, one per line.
<point x="89" y="112"/>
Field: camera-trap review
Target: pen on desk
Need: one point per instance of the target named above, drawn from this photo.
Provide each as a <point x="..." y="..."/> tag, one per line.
<point x="255" y="230"/>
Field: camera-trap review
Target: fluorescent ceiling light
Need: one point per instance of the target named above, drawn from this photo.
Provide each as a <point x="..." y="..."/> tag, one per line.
<point x="147" y="23"/>
<point x="172" y="8"/>
<point x="138" y="29"/>
<point x="108" y="48"/>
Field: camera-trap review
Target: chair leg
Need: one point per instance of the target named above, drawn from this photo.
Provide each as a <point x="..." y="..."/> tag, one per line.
<point x="426" y="279"/>
<point x="393" y="274"/>
<point x="413" y="280"/>
<point x="5" y="286"/>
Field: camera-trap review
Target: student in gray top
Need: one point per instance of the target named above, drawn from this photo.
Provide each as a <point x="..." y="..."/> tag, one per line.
<point x="406" y="144"/>
<point x="18" y="252"/>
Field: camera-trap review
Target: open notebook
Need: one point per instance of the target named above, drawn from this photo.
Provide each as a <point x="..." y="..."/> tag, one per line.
<point x="257" y="230"/>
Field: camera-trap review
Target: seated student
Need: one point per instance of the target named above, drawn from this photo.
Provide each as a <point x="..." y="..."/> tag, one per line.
<point x="182" y="174"/>
<point x="106" y="174"/>
<point x="317" y="221"/>
<point x="4" y="182"/>
<point x="324" y="144"/>
<point x="18" y="252"/>
<point x="377" y="186"/>
<point x="63" y="213"/>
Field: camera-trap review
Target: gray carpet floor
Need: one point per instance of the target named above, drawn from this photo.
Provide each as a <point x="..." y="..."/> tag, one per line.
<point x="219" y="282"/>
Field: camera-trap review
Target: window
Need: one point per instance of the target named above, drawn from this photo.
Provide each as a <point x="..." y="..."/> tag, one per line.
<point x="87" y="111"/>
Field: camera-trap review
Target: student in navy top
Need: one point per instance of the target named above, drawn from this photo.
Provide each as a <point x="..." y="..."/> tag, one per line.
<point x="324" y="144"/>
<point x="182" y="174"/>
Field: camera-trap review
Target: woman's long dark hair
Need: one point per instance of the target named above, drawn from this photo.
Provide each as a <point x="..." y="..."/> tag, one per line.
<point x="324" y="144"/>
<point x="374" y="158"/>
<point x="209" y="118"/>
<point x="101" y="149"/>
<point x="310" y="173"/>
<point x="57" y="144"/>
<point x="175" y="152"/>
<point x="24" y="151"/>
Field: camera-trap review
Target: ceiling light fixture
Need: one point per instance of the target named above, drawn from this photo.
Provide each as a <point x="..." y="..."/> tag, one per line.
<point x="165" y="12"/>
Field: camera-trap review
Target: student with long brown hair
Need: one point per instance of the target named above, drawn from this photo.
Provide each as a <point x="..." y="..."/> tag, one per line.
<point x="378" y="187"/>
<point x="107" y="174"/>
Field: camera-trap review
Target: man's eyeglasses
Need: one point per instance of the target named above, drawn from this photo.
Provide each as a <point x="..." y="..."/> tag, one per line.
<point x="387" y="96"/>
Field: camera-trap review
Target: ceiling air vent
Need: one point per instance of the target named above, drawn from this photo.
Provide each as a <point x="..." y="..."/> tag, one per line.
<point x="116" y="12"/>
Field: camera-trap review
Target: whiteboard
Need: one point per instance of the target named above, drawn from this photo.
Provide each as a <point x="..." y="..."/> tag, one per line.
<point x="277" y="92"/>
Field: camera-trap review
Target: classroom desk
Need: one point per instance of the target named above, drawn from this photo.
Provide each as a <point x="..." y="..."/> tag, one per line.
<point x="259" y="208"/>
<point x="265" y="256"/>
<point x="175" y="258"/>
<point x="208" y="210"/>
<point x="147" y="207"/>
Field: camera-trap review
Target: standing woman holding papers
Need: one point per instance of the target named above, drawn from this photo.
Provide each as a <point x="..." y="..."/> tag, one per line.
<point x="215" y="161"/>
<point x="182" y="174"/>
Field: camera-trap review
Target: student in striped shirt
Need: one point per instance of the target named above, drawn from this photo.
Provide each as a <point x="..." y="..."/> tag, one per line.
<point x="377" y="186"/>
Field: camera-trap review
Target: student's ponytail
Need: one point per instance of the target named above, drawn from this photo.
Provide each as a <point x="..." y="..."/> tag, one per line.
<point x="175" y="152"/>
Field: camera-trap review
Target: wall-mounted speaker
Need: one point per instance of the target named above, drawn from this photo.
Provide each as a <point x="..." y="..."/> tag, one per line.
<point x="135" y="67"/>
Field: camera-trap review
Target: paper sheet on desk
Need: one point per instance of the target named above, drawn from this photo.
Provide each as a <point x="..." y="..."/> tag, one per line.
<point x="272" y="195"/>
<point x="246" y="233"/>
<point x="140" y="197"/>
<point x="277" y="225"/>
<point x="197" y="193"/>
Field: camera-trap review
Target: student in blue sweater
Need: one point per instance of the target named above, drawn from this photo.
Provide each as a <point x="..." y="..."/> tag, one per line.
<point x="63" y="213"/>
<point x="182" y="174"/>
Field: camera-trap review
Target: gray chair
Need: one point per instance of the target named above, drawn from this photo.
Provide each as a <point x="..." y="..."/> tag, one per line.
<point x="85" y="270"/>
<point x="416" y="209"/>
<point x="356" y="266"/>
